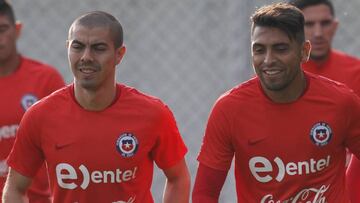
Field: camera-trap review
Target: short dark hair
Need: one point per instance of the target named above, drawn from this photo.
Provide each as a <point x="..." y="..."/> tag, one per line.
<point x="301" y="4"/>
<point x="283" y="16"/>
<point x="6" y="10"/>
<point x="102" y="19"/>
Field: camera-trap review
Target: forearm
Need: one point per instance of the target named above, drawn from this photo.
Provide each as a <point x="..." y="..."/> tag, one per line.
<point x="13" y="195"/>
<point x="15" y="188"/>
<point x="177" y="191"/>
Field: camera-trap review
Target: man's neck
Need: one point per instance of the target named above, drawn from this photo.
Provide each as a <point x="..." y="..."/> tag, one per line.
<point x="9" y="65"/>
<point x="95" y="100"/>
<point x="321" y="60"/>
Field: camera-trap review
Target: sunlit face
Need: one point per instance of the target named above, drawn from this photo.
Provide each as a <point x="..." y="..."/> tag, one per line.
<point x="320" y="27"/>
<point x="8" y="36"/>
<point x="92" y="56"/>
<point x="276" y="58"/>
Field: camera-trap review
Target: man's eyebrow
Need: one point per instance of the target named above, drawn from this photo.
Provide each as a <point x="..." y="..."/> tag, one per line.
<point x="76" y="41"/>
<point x="257" y="44"/>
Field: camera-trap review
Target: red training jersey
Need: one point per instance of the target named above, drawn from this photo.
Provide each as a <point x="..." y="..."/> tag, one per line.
<point x="18" y="91"/>
<point x="338" y="66"/>
<point x="293" y="152"/>
<point x="345" y="69"/>
<point x="98" y="156"/>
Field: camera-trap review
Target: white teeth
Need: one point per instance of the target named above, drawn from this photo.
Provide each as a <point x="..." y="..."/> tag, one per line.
<point x="272" y="72"/>
<point x="83" y="70"/>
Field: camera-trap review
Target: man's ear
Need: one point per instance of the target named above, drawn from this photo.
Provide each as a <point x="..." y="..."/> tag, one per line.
<point x="306" y="49"/>
<point x="120" y="52"/>
<point x="335" y="25"/>
<point x="18" y="29"/>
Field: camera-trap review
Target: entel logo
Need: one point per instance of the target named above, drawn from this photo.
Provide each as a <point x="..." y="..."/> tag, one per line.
<point x="259" y="166"/>
<point x="8" y="131"/>
<point x="116" y="176"/>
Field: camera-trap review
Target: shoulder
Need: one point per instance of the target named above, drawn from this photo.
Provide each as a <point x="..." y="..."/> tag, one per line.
<point x="53" y="101"/>
<point x="33" y="66"/>
<point x="319" y="80"/>
<point x="242" y="93"/>
<point x="139" y="99"/>
<point x="326" y="87"/>
<point x="145" y="106"/>
<point x="345" y="58"/>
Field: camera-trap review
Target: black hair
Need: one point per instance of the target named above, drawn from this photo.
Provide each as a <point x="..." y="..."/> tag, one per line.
<point x="283" y="16"/>
<point x="102" y="19"/>
<point x="6" y="10"/>
<point x="301" y="4"/>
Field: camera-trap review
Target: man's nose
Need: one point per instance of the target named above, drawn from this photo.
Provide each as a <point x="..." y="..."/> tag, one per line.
<point x="269" y="58"/>
<point x="87" y="55"/>
<point x="318" y="30"/>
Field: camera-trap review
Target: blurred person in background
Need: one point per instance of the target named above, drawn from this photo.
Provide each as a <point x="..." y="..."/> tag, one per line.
<point x="320" y="28"/>
<point x="23" y="81"/>
<point x="100" y="139"/>
<point x="287" y="128"/>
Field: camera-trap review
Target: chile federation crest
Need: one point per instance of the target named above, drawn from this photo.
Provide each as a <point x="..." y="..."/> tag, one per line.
<point x="321" y="134"/>
<point x="28" y="100"/>
<point x="127" y="145"/>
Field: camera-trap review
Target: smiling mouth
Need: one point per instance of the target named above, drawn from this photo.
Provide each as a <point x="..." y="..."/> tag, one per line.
<point x="87" y="70"/>
<point x="272" y="72"/>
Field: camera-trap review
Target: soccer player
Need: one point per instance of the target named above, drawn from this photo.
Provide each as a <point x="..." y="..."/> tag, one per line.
<point x="100" y="139"/>
<point x="23" y="81"/>
<point x="320" y="27"/>
<point x="288" y="129"/>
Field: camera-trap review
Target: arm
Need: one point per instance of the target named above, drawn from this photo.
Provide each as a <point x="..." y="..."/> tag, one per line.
<point x="177" y="187"/>
<point x="208" y="184"/>
<point x="353" y="179"/>
<point x="15" y="187"/>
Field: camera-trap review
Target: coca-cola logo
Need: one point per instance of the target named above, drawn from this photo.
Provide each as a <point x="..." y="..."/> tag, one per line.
<point x="131" y="200"/>
<point x="308" y="195"/>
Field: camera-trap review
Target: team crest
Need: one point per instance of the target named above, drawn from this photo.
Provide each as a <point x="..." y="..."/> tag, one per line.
<point x="321" y="134"/>
<point x="28" y="100"/>
<point x="127" y="144"/>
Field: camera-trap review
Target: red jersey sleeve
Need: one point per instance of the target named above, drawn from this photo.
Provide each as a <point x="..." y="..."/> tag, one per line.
<point x="353" y="138"/>
<point x="169" y="148"/>
<point x="26" y="156"/>
<point x="353" y="143"/>
<point x="208" y="184"/>
<point x="217" y="151"/>
<point x="352" y="179"/>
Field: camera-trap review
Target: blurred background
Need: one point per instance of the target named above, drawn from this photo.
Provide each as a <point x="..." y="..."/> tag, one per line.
<point x="185" y="52"/>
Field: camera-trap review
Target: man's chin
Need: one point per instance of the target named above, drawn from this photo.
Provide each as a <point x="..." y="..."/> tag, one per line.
<point x="319" y="56"/>
<point x="88" y="85"/>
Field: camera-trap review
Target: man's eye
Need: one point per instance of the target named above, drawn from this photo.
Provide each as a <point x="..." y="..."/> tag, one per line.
<point x="100" y="48"/>
<point x="309" y="24"/>
<point x="281" y="48"/>
<point x="258" y="50"/>
<point x="326" y="23"/>
<point x="4" y="29"/>
<point x="76" y="46"/>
